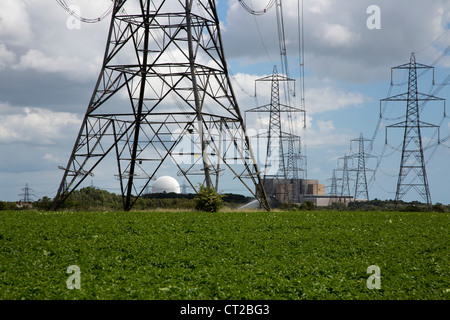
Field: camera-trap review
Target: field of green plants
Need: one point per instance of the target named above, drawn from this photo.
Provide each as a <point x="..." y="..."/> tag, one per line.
<point x="227" y="255"/>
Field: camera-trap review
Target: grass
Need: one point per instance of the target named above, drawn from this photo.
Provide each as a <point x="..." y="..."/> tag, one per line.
<point x="228" y="255"/>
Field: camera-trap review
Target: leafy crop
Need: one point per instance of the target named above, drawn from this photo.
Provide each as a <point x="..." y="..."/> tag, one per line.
<point x="228" y="255"/>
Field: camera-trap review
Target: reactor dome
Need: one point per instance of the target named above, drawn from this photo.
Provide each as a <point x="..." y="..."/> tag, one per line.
<point x="166" y="184"/>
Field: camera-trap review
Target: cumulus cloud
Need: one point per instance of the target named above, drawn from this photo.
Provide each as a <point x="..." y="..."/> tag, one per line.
<point x="323" y="133"/>
<point x="330" y="98"/>
<point x="338" y="35"/>
<point x="7" y="57"/>
<point x="73" y="67"/>
<point x="337" y="40"/>
<point x="15" y="25"/>
<point x="36" y="126"/>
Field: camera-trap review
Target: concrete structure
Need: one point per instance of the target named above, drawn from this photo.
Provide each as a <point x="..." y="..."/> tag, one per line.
<point x="300" y="191"/>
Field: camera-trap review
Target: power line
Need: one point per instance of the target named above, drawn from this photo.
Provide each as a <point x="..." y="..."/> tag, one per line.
<point x="434" y="41"/>
<point x="257" y="12"/>
<point x="66" y="7"/>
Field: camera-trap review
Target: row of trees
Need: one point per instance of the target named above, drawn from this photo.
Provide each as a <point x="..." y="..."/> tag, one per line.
<point x="90" y="198"/>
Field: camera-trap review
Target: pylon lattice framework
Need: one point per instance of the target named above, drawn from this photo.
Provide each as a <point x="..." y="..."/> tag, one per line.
<point x="361" y="188"/>
<point x="27" y="195"/>
<point x="345" y="180"/>
<point x="163" y="97"/>
<point x="412" y="165"/>
<point x="283" y="149"/>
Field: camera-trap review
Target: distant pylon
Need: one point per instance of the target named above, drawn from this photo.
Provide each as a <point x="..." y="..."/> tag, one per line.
<point x="26" y="195"/>
<point x="345" y="180"/>
<point x="412" y="165"/>
<point x="163" y="98"/>
<point x="281" y="161"/>
<point x="361" y="188"/>
<point x="334" y="193"/>
<point x="334" y="186"/>
<point x="184" y="188"/>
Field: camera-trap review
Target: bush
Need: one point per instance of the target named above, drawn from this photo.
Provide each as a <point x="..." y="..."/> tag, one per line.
<point x="308" y="205"/>
<point x="341" y="206"/>
<point x="438" y="207"/>
<point x="43" y="204"/>
<point x="288" y="206"/>
<point x="207" y="199"/>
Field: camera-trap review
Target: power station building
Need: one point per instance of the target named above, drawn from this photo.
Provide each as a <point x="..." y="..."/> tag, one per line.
<point x="301" y="190"/>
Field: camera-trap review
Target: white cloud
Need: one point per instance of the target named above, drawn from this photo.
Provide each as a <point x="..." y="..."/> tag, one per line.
<point x="338" y="35"/>
<point x="318" y="6"/>
<point x="324" y="134"/>
<point x="329" y="98"/>
<point x="6" y="57"/>
<point x="37" y="126"/>
<point x="338" y="43"/>
<point x="14" y="22"/>
<point x="74" y="67"/>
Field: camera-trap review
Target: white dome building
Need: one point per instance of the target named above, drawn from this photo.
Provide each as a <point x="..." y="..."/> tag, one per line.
<point x="166" y="184"/>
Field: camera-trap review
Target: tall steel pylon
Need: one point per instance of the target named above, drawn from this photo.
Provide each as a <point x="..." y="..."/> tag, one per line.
<point x="345" y="180"/>
<point x="26" y="195"/>
<point x="282" y="154"/>
<point x="333" y="188"/>
<point x="361" y="188"/>
<point x="412" y="165"/>
<point x="163" y="98"/>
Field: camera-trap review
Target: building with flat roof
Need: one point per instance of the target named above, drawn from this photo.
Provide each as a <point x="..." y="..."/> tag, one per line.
<point x="298" y="191"/>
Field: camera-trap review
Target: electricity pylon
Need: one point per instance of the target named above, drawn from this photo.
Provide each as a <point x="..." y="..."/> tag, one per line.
<point x="280" y="164"/>
<point x="163" y="97"/>
<point x="345" y="180"/>
<point x="26" y="194"/>
<point x="333" y="188"/>
<point x="361" y="177"/>
<point x="412" y="165"/>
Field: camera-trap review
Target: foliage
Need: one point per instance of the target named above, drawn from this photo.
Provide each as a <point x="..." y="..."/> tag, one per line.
<point x="438" y="207"/>
<point x="392" y="205"/>
<point x="308" y="205"/>
<point x="207" y="199"/>
<point x="341" y="206"/>
<point x="91" y="198"/>
<point x="320" y="255"/>
<point x="287" y="206"/>
<point x="44" y="204"/>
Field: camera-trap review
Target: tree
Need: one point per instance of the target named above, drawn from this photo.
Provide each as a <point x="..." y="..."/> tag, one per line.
<point x="43" y="204"/>
<point x="207" y="199"/>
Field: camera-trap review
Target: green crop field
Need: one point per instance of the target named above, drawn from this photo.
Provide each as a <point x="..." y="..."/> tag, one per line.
<point x="225" y="256"/>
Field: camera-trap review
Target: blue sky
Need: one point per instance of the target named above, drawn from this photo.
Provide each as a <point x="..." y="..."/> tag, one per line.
<point x="48" y="72"/>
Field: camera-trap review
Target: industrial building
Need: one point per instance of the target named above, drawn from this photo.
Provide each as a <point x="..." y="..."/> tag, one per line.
<point x="298" y="191"/>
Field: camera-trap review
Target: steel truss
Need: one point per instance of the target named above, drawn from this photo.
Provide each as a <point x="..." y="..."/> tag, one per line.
<point x="163" y="97"/>
<point x="361" y="188"/>
<point x="412" y="165"/>
<point x="283" y="148"/>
